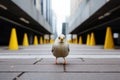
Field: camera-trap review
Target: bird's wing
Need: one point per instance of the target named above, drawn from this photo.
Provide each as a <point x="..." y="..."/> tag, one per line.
<point x="53" y="48"/>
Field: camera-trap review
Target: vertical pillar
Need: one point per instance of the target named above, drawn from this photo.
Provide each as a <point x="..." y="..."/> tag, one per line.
<point x="31" y="38"/>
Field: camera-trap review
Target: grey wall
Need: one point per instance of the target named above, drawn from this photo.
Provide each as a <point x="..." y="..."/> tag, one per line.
<point x="95" y="5"/>
<point x="29" y="7"/>
<point x="84" y="11"/>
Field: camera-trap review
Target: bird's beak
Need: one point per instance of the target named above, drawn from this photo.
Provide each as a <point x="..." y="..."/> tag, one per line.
<point x="62" y="38"/>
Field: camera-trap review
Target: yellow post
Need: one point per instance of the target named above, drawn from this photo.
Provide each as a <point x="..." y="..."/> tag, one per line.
<point x="48" y="41"/>
<point x="92" y="40"/>
<point x="76" y="41"/>
<point x="80" y="40"/>
<point x="73" y="41"/>
<point x="44" y="41"/>
<point x="41" y="40"/>
<point x="51" y="41"/>
<point x="88" y="40"/>
<point x="25" y="40"/>
<point x="13" y="43"/>
<point x="69" y="41"/>
<point x="35" y="40"/>
<point x="109" y="43"/>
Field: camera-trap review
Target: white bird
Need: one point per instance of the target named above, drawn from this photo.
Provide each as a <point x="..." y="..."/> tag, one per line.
<point x="60" y="48"/>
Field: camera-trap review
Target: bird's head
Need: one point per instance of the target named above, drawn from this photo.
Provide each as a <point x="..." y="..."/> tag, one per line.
<point x="61" y="38"/>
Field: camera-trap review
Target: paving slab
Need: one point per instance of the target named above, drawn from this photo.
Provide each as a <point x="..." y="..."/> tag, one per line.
<point x="30" y="68"/>
<point x="17" y="61"/>
<point x="92" y="68"/>
<point x="8" y="76"/>
<point x="46" y="61"/>
<point x="70" y="76"/>
<point x="82" y="61"/>
<point x="101" y="61"/>
<point x="36" y="67"/>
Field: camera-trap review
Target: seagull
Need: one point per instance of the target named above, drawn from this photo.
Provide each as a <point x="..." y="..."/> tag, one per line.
<point x="60" y="48"/>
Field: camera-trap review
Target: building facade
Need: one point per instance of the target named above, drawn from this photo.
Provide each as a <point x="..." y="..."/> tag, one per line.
<point x="27" y="16"/>
<point x="64" y="28"/>
<point x="74" y="4"/>
<point x="89" y="16"/>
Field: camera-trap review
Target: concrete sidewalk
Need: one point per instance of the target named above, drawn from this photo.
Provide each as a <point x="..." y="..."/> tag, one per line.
<point x="37" y="63"/>
<point x="45" y="69"/>
<point x="44" y="51"/>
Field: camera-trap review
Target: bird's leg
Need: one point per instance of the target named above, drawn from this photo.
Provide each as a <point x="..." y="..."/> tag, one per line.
<point x="56" y="61"/>
<point x="65" y="61"/>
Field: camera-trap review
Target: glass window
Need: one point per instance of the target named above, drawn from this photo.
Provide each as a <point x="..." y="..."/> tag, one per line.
<point x="35" y="2"/>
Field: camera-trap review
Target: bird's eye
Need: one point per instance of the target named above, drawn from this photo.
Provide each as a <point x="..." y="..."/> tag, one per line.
<point x="58" y="37"/>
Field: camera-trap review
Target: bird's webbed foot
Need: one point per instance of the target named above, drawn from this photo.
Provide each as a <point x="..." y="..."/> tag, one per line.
<point x="56" y="61"/>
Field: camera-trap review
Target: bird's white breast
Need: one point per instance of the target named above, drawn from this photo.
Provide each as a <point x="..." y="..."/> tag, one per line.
<point x="60" y="49"/>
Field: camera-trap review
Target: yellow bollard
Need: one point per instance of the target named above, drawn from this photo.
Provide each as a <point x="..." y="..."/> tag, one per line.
<point x="76" y="41"/>
<point x="44" y="41"/>
<point x="25" y="40"/>
<point x="88" y="40"/>
<point x="73" y="41"/>
<point x="48" y="41"/>
<point x="92" y="40"/>
<point x="41" y="40"/>
<point x="13" y="43"/>
<point x="70" y="41"/>
<point x="35" y="40"/>
<point x="80" y="40"/>
<point x="51" y="41"/>
<point x="109" y="43"/>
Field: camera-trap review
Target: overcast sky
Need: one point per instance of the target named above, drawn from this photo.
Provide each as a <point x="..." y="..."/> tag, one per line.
<point x="62" y="9"/>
